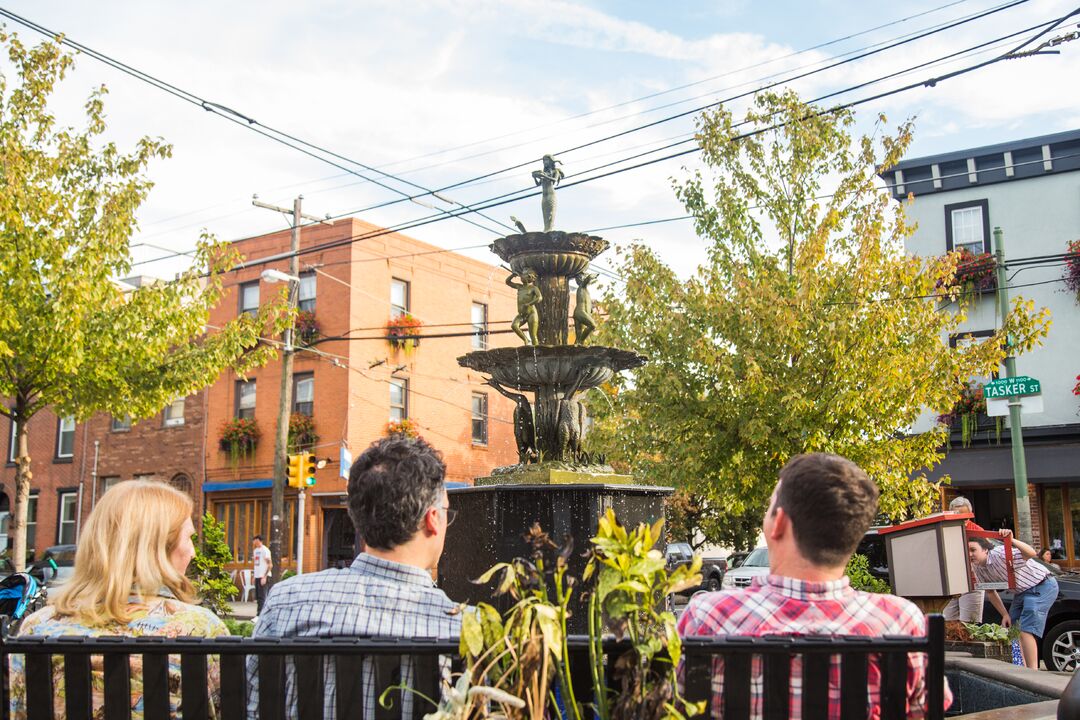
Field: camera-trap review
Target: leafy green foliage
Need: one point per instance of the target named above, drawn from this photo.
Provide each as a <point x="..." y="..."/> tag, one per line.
<point x="808" y="328"/>
<point x="207" y="569"/>
<point x="991" y="632"/>
<point x="71" y="336"/>
<point x="858" y="572"/>
<point x="241" y="628"/>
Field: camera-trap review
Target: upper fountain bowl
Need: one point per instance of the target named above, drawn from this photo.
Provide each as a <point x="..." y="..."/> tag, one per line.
<point x="557" y="367"/>
<point x="549" y="253"/>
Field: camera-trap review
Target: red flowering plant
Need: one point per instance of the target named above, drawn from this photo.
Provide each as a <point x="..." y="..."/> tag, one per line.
<point x="974" y="273"/>
<point x="402" y="332"/>
<point x="1072" y="268"/>
<point x="239" y="436"/>
<point x="968" y="410"/>
<point x="302" y="435"/>
<point x="402" y="427"/>
<point x="306" y="328"/>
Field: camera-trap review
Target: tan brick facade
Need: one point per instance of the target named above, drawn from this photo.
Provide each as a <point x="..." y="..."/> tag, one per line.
<point x="351" y="404"/>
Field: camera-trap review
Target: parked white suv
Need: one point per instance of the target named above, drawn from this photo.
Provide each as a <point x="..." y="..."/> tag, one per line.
<point x="755" y="565"/>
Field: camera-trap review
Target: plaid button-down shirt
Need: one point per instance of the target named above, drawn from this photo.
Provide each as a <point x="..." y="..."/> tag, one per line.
<point x="373" y="597"/>
<point x="778" y="605"/>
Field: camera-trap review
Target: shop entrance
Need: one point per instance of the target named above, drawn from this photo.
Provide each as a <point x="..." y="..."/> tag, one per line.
<point x="339" y="539"/>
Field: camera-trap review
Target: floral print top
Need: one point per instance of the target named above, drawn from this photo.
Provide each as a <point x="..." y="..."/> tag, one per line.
<point x="163" y="615"/>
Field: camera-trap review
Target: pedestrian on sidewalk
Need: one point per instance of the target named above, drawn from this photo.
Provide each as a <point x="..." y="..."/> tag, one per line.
<point x="263" y="562"/>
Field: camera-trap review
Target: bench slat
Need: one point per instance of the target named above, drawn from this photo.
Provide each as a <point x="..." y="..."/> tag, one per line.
<point x="271" y="687"/>
<point x="156" y="699"/>
<point x="117" y="686"/>
<point x="737" y="686"/>
<point x="310" y="688"/>
<point x="697" y="674"/>
<point x="777" y="676"/>
<point x="233" y="686"/>
<point x="853" y="688"/>
<point x="350" y="687"/>
<point x="935" y="668"/>
<point x="387" y="673"/>
<point x="894" y="668"/>
<point x="193" y="687"/>
<point x="77" y="686"/>
<point x="815" y="685"/>
<point x="39" y="687"/>
<point x="426" y="681"/>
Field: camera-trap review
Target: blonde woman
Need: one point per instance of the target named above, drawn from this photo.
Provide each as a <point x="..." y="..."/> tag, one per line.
<point x="129" y="580"/>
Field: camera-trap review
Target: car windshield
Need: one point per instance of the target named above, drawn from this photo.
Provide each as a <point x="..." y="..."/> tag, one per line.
<point x="680" y="549"/>
<point x="758" y="558"/>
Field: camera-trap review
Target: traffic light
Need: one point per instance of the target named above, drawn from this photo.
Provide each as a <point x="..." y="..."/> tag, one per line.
<point x="308" y="467"/>
<point x="296" y="470"/>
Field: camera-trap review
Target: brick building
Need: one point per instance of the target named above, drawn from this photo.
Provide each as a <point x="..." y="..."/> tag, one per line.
<point x="354" y="382"/>
<point x="351" y="383"/>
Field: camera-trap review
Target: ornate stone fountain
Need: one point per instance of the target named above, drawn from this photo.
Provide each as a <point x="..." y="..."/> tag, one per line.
<point x="557" y="481"/>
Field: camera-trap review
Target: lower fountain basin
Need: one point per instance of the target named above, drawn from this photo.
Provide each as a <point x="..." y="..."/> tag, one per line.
<point x="556" y="367"/>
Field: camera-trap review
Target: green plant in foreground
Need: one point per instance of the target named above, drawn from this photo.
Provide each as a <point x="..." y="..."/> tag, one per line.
<point x="991" y="632"/>
<point x="629" y="599"/>
<point x="207" y="569"/>
<point x="242" y="628"/>
<point x="858" y="572"/>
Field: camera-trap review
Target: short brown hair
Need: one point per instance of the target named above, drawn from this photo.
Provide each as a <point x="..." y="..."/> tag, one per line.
<point x="831" y="503"/>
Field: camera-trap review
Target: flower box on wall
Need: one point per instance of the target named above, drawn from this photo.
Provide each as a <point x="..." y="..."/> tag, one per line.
<point x="239" y="438"/>
<point x="402" y="332"/>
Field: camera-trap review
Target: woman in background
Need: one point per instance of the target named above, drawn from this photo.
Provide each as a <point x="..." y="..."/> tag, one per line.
<point x="128" y="580"/>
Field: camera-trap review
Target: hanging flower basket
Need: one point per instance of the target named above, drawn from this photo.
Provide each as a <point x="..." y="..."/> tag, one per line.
<point x="402" y="427"/>
<point x="306" y="328"/>
<point x="969" y="412"/>
<point x="975" y="273"/>
<point x="402" y="332"/>
<point x="239" y="437"/>
<point x="1072" y="268"/>
<point x="302" y="435"/>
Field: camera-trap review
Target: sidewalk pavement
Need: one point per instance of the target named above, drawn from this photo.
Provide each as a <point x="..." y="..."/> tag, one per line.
<point x="243" y="610"/>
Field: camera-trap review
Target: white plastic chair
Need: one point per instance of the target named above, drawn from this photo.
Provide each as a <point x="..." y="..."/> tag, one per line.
<point x="247" y="584"/>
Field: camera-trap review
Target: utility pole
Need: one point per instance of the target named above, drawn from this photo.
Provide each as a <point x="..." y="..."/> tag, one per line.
<point x="1016" y="432"/>
<point x="281" y="437"/>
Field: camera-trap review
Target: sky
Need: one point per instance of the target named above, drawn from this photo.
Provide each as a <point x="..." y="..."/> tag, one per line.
<point x="436" y="93"/>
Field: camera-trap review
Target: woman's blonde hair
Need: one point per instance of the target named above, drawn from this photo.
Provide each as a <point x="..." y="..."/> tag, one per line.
<point x="124" y="550"/>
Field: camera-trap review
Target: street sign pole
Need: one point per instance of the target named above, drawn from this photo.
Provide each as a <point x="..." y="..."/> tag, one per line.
<point x="1016" y="432"/>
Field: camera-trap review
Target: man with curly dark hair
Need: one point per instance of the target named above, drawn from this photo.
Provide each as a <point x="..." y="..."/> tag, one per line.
<point x="398" y="503"/>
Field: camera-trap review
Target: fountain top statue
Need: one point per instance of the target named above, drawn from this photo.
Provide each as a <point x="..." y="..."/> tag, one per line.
<point x="555" y="371"/>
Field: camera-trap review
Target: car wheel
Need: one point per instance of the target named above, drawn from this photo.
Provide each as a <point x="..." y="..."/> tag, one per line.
<point x="1061" y="647"/>
<point x="712" y="584"/>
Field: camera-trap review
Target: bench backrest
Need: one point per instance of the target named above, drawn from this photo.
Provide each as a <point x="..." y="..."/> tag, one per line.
<point x="348" y="655"/>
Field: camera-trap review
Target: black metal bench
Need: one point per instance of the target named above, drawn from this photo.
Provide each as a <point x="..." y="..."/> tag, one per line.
<point x="348" y="655"/>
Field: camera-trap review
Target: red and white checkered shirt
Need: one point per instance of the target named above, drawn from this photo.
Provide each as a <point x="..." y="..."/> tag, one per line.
<point x="778" y="605"/>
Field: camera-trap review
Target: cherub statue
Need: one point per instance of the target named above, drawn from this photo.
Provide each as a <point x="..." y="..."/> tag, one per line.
<point x="547" y="179"/>
<point x="583" y="319"/>
<point x="524" y="425"/>
<point x="528" y="295"/>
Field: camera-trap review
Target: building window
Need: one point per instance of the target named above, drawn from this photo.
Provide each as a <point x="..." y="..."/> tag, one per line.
<point x="121" y="424"/>
<point x="182" y="483"/>
<point x="65" y="437"/>
<point x="31" y="525"/>
<point x="174" y="413"/>
<point x="967" y="226"/>
<point x="399" y="399"/>
<point x="107" y="483"/>
<point x="249" y="298"/>
<point x="65" y="533"/>
<point x="245" y="399"/>
<point x="399" y="297"/>
<point x="480" y="418"/>
<point x="304" y="394"/>
<point x="479" y="326"/>
<point x="305" y="297"/>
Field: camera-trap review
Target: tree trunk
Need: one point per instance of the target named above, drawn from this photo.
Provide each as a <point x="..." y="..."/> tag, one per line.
<point x="22" y="490"/>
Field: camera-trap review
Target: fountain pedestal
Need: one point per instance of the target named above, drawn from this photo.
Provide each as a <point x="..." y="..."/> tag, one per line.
<point x="493" y="518"/>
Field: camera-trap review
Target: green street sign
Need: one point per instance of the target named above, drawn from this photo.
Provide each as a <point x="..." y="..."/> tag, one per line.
<point x="1012" y="387"/>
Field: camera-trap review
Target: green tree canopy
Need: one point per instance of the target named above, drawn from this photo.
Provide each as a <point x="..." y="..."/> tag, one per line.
<point x="807" y="329"/>
<point x="72" y="337"/>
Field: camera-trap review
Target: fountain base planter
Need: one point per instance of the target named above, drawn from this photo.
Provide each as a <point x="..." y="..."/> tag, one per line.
<point x="493" y="518"/>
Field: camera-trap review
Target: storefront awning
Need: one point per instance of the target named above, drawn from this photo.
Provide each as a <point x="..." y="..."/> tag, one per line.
<point x="266" y="483"/>
<point x="993" y="465"/>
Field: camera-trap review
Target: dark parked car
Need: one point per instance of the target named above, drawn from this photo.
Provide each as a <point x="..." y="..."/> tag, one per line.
<point x="712" y="569"/>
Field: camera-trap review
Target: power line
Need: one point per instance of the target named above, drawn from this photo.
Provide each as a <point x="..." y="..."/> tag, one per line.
<point x="507" y="198"/>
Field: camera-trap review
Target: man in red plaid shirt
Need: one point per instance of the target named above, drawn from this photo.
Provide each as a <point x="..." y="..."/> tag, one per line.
<point x="821" y="508"/>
